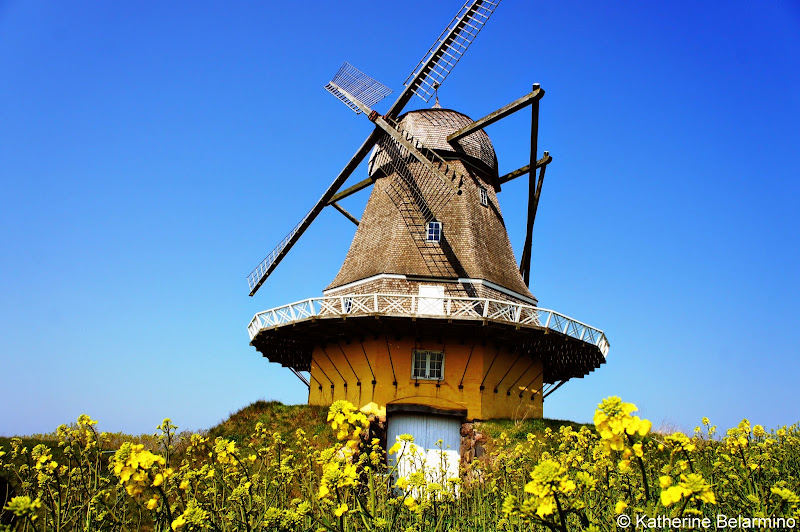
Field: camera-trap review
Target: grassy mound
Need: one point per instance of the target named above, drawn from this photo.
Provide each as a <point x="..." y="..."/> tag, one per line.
<point x="286" y="419"/>
<point x="519" y="430"/>
<point x="276" y="417"/>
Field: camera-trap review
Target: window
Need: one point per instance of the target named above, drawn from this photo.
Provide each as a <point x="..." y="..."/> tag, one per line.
<point x="428" y="365"/>
<point x="484" y="197"/>
<point x="433" y="232"/>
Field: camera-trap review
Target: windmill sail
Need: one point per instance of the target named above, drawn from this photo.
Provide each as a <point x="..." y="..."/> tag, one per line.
<point x="429" y="74"/>
<point x="445" y="53"/>
<point x="436" y="177"/>
<point x="359" y="85"/>
<point x="269" y="263"/>
<point x="266" y="266"/>
<point x="421" y="182"/>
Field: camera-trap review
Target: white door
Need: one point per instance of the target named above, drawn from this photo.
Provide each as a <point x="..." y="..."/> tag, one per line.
<point x="431" y="300"/>
<point x="437" y="442"/>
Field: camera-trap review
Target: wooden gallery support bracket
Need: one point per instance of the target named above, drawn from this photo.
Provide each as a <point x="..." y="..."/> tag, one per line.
<point x="534" y="183"/>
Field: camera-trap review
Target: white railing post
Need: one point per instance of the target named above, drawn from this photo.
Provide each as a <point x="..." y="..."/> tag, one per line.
<point x="465" y="307"/>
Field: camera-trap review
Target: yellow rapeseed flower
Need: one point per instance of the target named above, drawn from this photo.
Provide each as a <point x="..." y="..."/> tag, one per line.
<point x="340" y="510"/>
<point x="637" y="449"/>
<point x="152" y="503"/>
<point x="694" y="485"/>
<point x="179" y="522"/>
<point x="410" y="503"/>
<point x="546" y="507"/>
<point x="785" y="495"/>
<point x="671" y="495"/>
<point x="614" y="421"/>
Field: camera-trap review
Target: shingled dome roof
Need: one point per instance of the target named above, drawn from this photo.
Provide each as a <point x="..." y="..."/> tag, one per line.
<point x="432" y="126"/>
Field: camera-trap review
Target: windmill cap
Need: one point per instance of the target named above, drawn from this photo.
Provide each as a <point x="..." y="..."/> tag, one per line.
<point x="431" y="127"/>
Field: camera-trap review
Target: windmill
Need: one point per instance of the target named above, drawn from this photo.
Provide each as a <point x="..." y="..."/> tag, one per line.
<point x="430" y="314"/>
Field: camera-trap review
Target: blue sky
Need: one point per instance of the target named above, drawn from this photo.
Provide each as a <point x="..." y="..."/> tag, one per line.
<point x="152" y="153"/>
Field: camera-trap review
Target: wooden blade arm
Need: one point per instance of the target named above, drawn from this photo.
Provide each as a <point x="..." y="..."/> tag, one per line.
<point x="401" y="139"/>
<point x="268" y="265"/>
<point x="405" y="96"/>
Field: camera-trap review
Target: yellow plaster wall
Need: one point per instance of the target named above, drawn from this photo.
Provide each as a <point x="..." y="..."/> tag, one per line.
<point x="333" y="365"/>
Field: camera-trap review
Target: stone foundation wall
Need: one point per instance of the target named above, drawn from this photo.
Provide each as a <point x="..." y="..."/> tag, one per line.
<point x="471" y="444"/>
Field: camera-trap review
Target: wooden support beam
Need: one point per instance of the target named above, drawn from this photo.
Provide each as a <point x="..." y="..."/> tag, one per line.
<point x="346" y="214"/>
<point x="554" y="388"/>
<point x="503" y="112"/>
<point x="533" y="199"/>
<point x="301" y="377"/>
<point x="525" y="262"/>
<point x="361" y="185"/>
<point x="544" y="161"/>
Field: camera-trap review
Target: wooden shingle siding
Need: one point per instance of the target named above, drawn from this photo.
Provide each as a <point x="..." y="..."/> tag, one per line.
<point x="452" y="288"/>
<point x="474" y="242"/>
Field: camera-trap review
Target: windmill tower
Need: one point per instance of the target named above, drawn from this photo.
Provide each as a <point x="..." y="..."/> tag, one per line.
<point x="429" y="315"/>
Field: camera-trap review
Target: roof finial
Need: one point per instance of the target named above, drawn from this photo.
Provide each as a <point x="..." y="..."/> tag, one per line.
<point x="436" y="93"/>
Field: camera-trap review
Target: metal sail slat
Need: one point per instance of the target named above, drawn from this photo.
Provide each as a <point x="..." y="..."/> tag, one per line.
<point x="359" y="85"/>
<point x="454" y="40"/>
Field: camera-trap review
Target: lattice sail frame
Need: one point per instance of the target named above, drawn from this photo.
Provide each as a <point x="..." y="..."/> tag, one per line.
<point x="362" y="87"/>
<point x="265" y="265"/>
<point x="433" y="182"/>
<point x="461" y="31"/>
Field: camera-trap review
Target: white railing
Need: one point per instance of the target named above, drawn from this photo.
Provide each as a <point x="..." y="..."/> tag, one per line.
<point x="414" y="305"/>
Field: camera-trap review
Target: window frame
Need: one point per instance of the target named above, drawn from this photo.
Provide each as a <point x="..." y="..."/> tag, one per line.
<point x="434" y="231"/>
<point x="428" y="355"/>
<point x="484" y="195"/>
